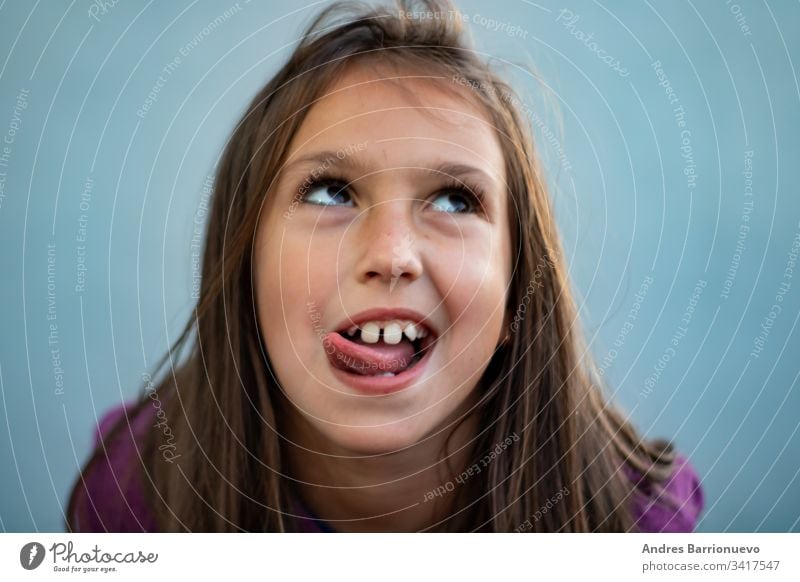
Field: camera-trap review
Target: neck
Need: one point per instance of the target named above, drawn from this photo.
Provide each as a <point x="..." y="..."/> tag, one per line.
<point x="388" y="492"/>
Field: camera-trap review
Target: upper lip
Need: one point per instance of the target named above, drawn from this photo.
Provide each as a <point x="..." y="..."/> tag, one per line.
<point x="385" y="314"/>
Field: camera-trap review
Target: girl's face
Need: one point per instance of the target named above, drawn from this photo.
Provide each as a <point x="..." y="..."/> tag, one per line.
<point x="370" y="212"/>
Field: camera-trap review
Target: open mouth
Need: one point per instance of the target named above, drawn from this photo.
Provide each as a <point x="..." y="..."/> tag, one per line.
<point x="380" y="349"/>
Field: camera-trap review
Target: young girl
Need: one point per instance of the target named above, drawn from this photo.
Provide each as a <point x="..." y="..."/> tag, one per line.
<point x="385" y="338"/>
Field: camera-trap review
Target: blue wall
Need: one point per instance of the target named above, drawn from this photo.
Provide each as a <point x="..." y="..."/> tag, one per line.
<point x="676" y="254"/>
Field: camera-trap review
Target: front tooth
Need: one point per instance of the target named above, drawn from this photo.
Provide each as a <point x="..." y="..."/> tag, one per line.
<point x="370" y="333"/>
<point x="411" y="331"/>
<point x="392" y="333"/>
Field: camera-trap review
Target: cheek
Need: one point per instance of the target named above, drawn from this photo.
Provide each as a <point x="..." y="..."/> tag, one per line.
<point x="294" y="267"/>
<point x="474" y="292"/>
<point x="295" y="276"/>
<point x="473" y="280"/>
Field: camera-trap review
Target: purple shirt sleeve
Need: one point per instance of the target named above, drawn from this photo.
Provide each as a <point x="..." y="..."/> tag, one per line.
<point x="676" y="511"/>
<point x="113" y="497"/>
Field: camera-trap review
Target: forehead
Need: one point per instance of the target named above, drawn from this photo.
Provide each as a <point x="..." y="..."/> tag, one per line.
<point x="404" y="119"/>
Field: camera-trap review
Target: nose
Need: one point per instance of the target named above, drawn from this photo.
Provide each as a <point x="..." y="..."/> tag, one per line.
<point x="388" y="246"/>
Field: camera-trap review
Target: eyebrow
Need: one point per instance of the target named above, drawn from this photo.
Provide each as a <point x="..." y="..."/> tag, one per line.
<point x="332" y="159"/>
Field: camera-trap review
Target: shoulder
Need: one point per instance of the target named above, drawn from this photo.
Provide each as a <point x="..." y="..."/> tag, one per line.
<point x="110" y="496"/>
<point x="673" y="507"/>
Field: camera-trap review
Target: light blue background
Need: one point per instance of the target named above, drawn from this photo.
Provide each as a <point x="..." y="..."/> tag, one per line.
<point x="622" y="199"/>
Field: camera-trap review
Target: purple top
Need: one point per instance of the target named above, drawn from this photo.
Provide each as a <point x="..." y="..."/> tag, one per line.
<point x="111" y="508"/>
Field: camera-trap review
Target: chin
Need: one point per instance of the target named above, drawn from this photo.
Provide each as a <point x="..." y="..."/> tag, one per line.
<point x="375" y="440"/>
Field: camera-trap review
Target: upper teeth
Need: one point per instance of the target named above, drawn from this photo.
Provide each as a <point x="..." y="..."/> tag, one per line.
<point x="393" y="331"/>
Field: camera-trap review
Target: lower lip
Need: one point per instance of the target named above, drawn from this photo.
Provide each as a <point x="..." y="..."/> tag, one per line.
<point x="380" y="385"/>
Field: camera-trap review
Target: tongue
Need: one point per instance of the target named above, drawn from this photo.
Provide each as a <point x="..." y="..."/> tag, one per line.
<point x="368" y="359"/>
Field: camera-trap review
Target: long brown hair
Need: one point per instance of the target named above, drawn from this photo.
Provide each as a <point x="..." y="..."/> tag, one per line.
<point x="223" y="401"/>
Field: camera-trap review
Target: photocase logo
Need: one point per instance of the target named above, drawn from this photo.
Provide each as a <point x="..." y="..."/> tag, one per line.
<point x="31" y="555"/>
<point x="399" y="259"/>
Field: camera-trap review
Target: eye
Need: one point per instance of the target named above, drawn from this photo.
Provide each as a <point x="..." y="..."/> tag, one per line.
<point x="457" y="199"/>
<point x="327" y="193"/>
<point x="454" y="198"/>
